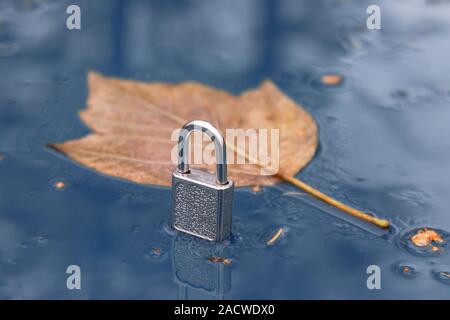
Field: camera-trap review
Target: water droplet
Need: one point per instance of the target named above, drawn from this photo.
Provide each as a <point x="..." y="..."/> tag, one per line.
<point x="60" y="184"/>
<point x="331" y="79"/>
<point x="407" y="270"/>
<point x="155" y="253"/>
<point x="168" y="229"/>
<point x="433" y="249"/>
<point x="442" y="274"/>
<point x="135" y="229"/>
<point x="40" y="238"/>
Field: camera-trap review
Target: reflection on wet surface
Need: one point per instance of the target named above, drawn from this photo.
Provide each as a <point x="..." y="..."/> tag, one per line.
<point x="194" y="270"/>
<point x="381" y="99"/>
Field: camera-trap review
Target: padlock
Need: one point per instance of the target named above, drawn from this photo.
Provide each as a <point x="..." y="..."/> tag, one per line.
<point x="202" y="202"/>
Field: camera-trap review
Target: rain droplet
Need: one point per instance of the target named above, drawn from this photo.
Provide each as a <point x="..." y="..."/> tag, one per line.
<point x="331" y="79"/>
<point x="442" y="274"/>
<point x="40" y="238"/>
<point x="155" y="253"/>
<point x="407" y="270"/>
<point x="135" y="229"/>
<point x="168" y="229"/>
<point x="60" y="184"/>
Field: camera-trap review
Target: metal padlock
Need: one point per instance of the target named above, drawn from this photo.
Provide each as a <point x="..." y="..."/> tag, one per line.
<point x="202" y="202"/>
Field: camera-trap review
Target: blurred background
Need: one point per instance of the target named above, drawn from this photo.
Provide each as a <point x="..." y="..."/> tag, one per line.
<point x="384" y="147"/>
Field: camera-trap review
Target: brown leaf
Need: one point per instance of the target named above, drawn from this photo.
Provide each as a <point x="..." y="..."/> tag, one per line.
<point x="424" y="237"/>
<point x="132" y="124"/>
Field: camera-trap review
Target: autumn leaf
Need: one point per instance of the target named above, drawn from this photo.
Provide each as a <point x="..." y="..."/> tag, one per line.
<point x="133" y="123"/>
<point x="425" y="237"/>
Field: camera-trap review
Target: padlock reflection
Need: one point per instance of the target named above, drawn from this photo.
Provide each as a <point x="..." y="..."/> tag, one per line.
<point x="194" y="273"/>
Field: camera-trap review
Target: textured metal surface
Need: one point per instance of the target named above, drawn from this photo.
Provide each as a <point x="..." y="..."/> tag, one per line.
<point x="195" y="209"/>
<point x="202" y="207"/>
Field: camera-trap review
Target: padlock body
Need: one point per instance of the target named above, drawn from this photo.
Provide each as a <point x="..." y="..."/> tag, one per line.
<point x="201" y="206"/>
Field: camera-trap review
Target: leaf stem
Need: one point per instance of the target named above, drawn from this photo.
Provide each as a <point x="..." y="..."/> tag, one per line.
<point x="382" y="223"/>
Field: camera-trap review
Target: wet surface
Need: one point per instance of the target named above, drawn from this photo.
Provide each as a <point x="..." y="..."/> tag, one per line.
<point x="383" y="149"/>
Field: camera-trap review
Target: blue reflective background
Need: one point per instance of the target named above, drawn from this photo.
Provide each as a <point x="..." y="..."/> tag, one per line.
<point x="384" y="148"/>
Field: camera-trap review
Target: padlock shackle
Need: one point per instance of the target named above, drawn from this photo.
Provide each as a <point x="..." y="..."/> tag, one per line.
<point x="219" y="143"/>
